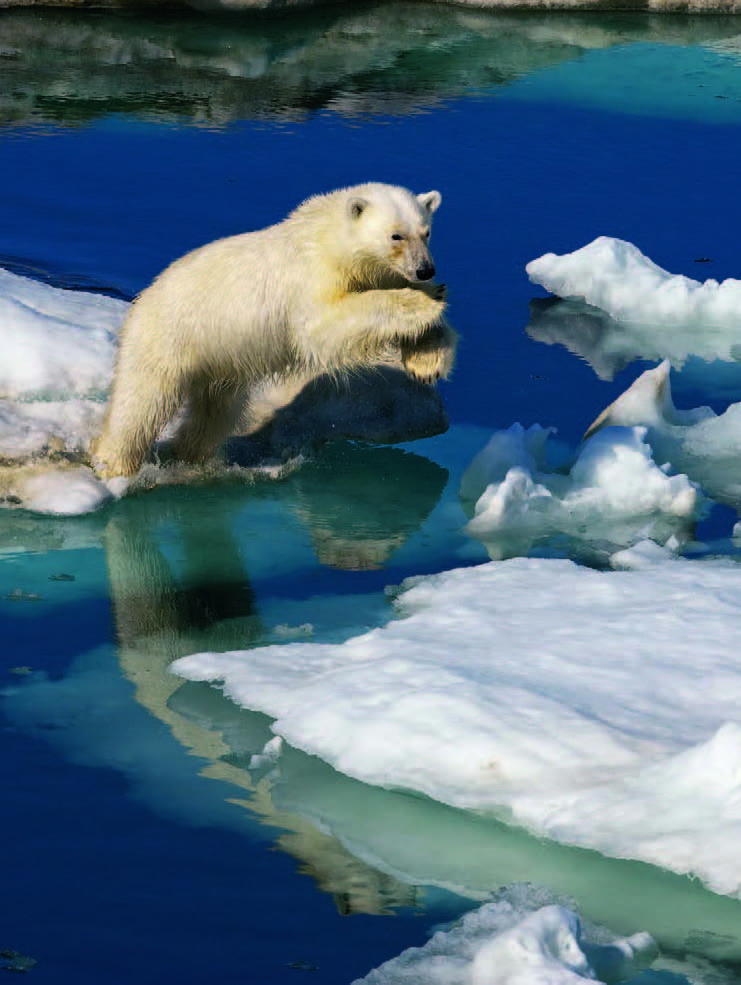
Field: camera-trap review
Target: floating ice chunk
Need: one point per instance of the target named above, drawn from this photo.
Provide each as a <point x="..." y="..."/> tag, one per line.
<point x="545" y="948"/>
<point x="645" y="301"/>
<point x="648" y="401"/>
<point x="613" y="493"/>
<point x="55" y="343"/>
<point x="552" y="694"/>
<point x="696" y="442"/>
<point x="499" y="944"/>
<point x="61" y="491"/>
<point x="615" y="473"/>
<point x="542" y="948"/>
<point x="269" y="756"/>
<point x="615" y="276"/>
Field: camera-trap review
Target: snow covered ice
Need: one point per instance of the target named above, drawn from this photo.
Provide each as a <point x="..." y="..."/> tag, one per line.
<point x="502" y="943"/>
<point x="590" y="707"/>
<point x="619" y="305"/>
<point x="698" y="442"/>
<point x="613" y="494"/>
<point x="58" y="348"/>
<point x="615" y="276"/>
<point x="56" y="343"/>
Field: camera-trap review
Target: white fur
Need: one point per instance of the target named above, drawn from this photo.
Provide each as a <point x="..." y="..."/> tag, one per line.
<point x="329" y="289"/>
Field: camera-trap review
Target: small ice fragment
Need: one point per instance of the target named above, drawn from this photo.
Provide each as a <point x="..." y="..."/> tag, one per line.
<point x="269" y="756"/>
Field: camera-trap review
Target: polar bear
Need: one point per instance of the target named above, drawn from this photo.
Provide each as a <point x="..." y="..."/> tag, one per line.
<point x="346" y="277"/>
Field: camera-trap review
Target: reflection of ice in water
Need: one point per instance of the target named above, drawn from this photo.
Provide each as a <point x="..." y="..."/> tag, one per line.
<point x="609" y="345"/>
<point x="367" y="60"/>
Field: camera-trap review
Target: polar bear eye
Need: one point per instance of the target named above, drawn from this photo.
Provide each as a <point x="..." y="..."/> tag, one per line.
<point x="397" y="236"/>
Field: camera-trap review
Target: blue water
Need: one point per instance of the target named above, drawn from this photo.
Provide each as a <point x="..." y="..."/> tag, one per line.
<point x="124" y="859"/>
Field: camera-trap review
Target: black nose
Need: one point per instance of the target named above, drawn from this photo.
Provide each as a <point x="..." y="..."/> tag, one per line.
<point x="425" y="271"/>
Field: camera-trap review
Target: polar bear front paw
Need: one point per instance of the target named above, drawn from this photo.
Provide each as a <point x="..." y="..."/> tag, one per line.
<point x="436" y="292"/>
<point x="430" y="357"/>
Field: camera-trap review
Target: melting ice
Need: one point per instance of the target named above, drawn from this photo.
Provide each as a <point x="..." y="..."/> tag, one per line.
<point x="612" y="494"/>
<point x="599" y="709"/>
<point x="697" y="441"/>
<point x="655" y="314"/>
<point x="503" y="943"/>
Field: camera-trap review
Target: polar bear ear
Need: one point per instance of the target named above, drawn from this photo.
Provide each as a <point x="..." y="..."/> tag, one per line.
<point x="356" y="207"/>
<point x="430" y="201"/>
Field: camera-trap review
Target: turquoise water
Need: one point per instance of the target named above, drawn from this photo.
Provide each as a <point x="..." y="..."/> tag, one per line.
<point x="140" y="834"/>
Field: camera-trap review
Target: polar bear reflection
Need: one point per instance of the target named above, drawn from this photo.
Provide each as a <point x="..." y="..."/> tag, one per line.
<point x="165" y="608"/>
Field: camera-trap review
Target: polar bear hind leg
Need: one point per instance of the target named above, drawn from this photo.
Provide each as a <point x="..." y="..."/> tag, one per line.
<point x="212" y="414"/>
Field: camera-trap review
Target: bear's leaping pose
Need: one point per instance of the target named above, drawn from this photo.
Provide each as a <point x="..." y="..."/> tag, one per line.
<point x="330" y="289"/>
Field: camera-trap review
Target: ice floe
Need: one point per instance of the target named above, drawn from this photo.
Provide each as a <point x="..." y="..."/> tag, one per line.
<point x="621" y="306"/>
<point x="597" y="708"/>
<point x="56" y="343"/>
<point x="698" y="442"/>
<point x="503" y="943"/>
<point x="58" y="491"/>
<point x="613" y="494"/>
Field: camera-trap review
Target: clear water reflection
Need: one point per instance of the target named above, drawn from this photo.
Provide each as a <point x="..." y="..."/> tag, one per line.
<point x="378" y="59"/>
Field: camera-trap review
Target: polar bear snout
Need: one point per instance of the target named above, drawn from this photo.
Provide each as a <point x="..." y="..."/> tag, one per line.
<point x="426" y="270"/>
<point x="415" y="261"/>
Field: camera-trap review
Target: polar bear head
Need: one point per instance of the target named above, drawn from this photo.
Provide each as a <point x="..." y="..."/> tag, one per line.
<point x="390" y="228"/>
